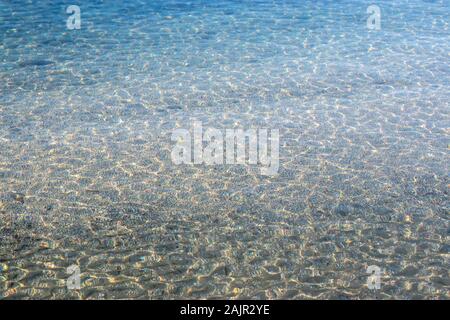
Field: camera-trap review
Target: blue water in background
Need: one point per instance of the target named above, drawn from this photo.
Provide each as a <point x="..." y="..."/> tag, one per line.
<point x="85" y="123"/>
<point x="154" y="38"/>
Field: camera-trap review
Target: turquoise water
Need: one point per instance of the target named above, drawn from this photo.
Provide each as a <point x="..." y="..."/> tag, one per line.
<point x="86" y="176"/>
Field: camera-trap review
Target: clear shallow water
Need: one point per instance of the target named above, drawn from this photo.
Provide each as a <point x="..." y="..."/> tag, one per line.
<point x="85" y="124"/>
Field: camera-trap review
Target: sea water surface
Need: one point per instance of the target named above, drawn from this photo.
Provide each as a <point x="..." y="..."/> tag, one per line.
<point x="86" y="176"/>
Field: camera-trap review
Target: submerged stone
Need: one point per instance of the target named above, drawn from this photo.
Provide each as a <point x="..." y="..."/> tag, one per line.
<point x="343" y="209"/>
<point x="35" y="63"/>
